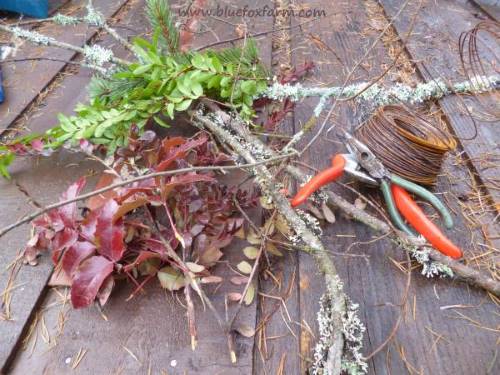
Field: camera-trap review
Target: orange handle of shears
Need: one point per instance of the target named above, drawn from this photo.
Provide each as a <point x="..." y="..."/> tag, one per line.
<point x="321" y="179"/>
<point x="417" y="218"/>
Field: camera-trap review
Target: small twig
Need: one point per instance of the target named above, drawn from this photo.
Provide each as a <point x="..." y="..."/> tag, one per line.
<point x="51" y="42"/>
<point x="35" y="214"/>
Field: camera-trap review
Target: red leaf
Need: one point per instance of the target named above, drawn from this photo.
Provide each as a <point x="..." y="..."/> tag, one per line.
<point x="61" y="241"/>
<point x="97" y="201"/>
<point x="37" y="145"/>
<point x="296" y="73"/>
<point x="68" y="212"/>
<point x="180" y="152"/>
<point x="142" y="257"/>
<point x="88" y="280"/>
<point x="130" y="205"/>
<point x="129" y="192"/>
<point x="168" y="143"/>
<point x="54" y="220"/>
<point x="108" y="233"/>
<point x="88" y="225"/>
<point x="277" y="116"/>
<point x="155" y="246"/>
<point x="75" y="255"/>
<point x="106" y="289"/>
<point x="184" y="180"/>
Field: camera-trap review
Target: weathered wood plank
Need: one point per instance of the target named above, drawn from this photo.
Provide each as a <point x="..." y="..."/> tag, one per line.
<point x="438" y="28"/>
<point x="130" y="324"/>
<point x="44" y="180"/>
<point x="335" y="45"/>
<point x="40" y="74"/>
<point x="374" y="282"/>
<point x="492" y="10"/>
<point x="44" y="183"/>
<point x="277" y="339"/>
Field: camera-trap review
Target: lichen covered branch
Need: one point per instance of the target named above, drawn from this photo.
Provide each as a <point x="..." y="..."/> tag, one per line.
<point x="225" y="128"/>
<point x="414" y="245"/>
<point x="379" y="95"/>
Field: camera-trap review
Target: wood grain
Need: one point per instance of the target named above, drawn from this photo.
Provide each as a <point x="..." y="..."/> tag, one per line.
<point x="438" y="29"/>
<point x="23" y="81"/>
<point x="374" y="282"/>
<point x="151" y="327"/>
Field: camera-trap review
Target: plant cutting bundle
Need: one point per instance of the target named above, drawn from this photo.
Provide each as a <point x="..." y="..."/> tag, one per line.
<point x="121" y="232"/>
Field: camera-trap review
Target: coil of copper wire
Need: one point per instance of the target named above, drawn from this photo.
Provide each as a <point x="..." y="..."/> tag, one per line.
<point x="408" y="143"/>
<point x="478" y="49"/>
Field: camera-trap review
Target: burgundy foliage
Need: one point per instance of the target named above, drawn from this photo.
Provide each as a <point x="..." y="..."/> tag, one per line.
<point x="296" y="73"/>
<point x="133" y="230"/>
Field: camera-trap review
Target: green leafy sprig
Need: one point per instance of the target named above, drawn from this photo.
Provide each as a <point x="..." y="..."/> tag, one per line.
<point x="162" y="82"/>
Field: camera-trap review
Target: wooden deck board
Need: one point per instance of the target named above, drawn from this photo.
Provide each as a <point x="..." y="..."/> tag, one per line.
<point x="376" y="284"/>
<point x="152" y="327"/>
<point x="44" y="180"/>
<point x="159" y="349"/>
<point x="438" y="29"/>
<point x="40" y="74"/>
<point x="366" y="280"/>
<point x="277" y="341"/>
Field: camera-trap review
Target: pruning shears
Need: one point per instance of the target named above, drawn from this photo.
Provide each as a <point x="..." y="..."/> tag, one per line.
<point x="363" y="165"/>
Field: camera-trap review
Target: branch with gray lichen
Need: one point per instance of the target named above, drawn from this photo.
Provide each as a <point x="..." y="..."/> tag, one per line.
<point x="94" y="55"/>
<point x="92" y="18"/>
<point x="414" y="245"/>
<point x="226" y="129"/>
<point x="379" y="95"/>
<point x="376" y="95"/>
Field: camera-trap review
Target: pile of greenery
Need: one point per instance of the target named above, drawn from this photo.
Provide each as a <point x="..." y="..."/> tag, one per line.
<point x="160" y="83"/>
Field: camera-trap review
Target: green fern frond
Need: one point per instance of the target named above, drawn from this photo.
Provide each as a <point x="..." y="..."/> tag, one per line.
<point x="160" y="17"/>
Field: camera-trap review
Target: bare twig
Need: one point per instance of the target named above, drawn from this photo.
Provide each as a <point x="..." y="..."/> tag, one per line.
<point x="35" y="214"/>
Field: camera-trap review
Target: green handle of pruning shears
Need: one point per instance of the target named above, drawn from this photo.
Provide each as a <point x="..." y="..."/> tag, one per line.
<point x="427" y="195"/>
<point x="391" y="208"/>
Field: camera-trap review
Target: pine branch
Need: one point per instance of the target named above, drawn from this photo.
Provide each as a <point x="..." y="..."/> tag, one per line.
<point x="161" y="20"/>
<point x="247" y="56"/>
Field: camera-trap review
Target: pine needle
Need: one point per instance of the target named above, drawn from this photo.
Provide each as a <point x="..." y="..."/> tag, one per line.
<point x="160" y="17"/>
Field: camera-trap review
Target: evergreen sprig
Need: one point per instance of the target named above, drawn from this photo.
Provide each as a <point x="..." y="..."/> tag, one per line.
<point x="160" y="17"/>
<point x="154" y="88"/>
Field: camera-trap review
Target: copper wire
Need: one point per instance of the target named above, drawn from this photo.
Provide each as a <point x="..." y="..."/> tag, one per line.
<point x="408" y="143"/>
<point x="477" y="48"/>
